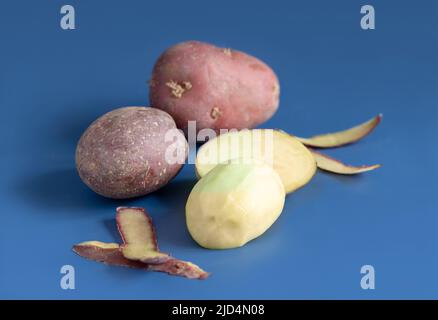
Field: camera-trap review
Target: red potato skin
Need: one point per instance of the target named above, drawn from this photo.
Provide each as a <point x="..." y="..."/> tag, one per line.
<point x="221" y="88"/>
<point x="119" y="212"/>
<point x="115" y="257"/>
<point x="153" y="239"/>
<point x="122" y="154"/>
<point x="108" y="256"/>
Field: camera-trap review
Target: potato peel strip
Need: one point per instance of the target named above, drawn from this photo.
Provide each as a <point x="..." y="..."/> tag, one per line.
<point x="330" y="164"/>
<point x="139" y="237"/>
<point x="340" y="138"/>
<point x="137" y="231"/>
<point x="111" y="254"/>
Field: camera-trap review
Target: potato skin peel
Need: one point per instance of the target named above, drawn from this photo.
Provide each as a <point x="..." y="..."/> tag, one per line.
<point x="98" y="251"/>
<point x="122" y="153"/>
<point x="216" y="87"/>
<point x="143" y="241"/>
<point x="341" y="138"/>
<point x="120" y="211"/>
<point x="327" y="163"/>
<point x="112" y="253"/>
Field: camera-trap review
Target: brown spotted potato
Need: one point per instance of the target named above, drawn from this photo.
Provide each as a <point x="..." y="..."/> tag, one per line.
<point x="124" y="153"/>
<point x="219" y="88"/>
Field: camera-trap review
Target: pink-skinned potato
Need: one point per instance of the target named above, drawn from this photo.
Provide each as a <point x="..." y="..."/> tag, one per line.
<point x="125" y="153"/>
<point x="219" y="88"/>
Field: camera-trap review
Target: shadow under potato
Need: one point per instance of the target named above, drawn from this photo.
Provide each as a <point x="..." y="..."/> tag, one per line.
<point x="171" y="228"/>
<point x="342" y="178"/>
<point x="111" y="227"/>
<point x="62" y="189"/>
<point x="59" y="190"/>
<point x="177" y="191"/>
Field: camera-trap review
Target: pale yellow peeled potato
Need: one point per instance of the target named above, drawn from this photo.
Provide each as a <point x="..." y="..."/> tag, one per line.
<point x="292" y="161"/>
<point x="233" y="204"/>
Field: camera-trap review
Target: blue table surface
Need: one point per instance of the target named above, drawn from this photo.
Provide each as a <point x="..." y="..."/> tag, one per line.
<point x="333" y="74"/>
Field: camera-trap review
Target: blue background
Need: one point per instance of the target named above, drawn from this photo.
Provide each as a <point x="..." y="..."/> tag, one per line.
<point x="333" y="74"/>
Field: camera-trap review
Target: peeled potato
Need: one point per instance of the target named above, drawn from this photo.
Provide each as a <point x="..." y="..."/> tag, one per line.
<point x="292" y="161"/>
<point x="233" y="204"/>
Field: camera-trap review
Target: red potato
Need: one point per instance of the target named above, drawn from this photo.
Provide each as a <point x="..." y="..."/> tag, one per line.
<point x="216" y="87"/>
<point x="123" y="154"/>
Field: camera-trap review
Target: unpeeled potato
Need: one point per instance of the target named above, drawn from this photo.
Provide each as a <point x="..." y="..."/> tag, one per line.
<point x="219" y="88"/>
<point x="125" y="153"/>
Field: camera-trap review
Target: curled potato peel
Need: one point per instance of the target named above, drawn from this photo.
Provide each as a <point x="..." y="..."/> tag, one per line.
<point x="333" y="165"/>
<point x="344" y="137"/>
<point x="139" y="249"/>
